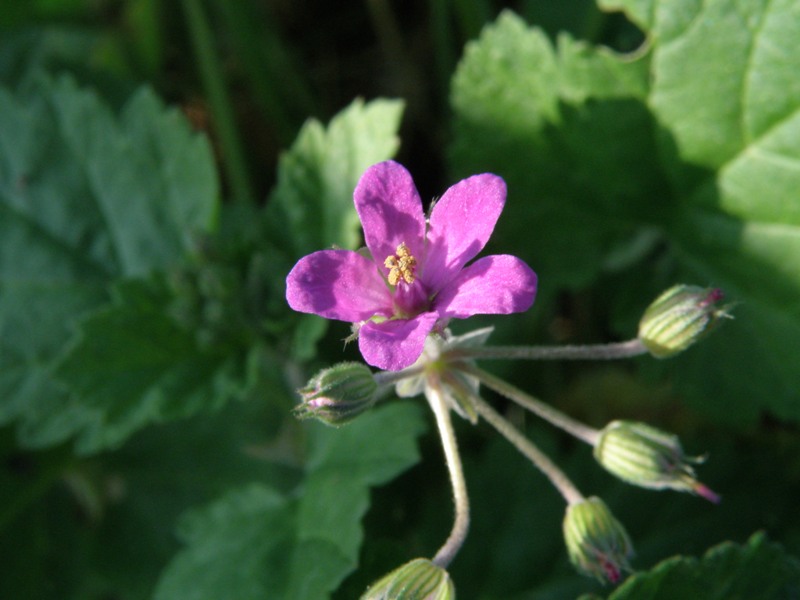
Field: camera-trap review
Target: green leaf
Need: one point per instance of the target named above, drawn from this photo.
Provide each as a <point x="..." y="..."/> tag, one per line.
<point x="312" y="204"/>
<point x="311" y="207"/>
<point x="108" y="521"/>
<point x="568" y="129"/>
<point x="85" y="197"/>
<point x="134" y="364"/>
<point x="643" y="165"/>
<point x="759" y="570"/>
<point x="741" y="89"/>
<point x="735" y="114"/>
<point x="150" y="208"/>
<point x="641" y="12"/>
<point x="257" y="543"/>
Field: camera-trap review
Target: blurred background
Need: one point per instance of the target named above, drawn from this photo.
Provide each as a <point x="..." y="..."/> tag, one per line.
<point x="248" y="74"/>
<point x="284" y="62"/>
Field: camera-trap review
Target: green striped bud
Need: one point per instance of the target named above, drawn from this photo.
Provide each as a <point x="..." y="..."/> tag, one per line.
<point x="419" y="579"/>
<point x="648" y="457"/>
<point x="679" y="317"/>
<point x="597" y="543"/>
<point x="338" y="394"/>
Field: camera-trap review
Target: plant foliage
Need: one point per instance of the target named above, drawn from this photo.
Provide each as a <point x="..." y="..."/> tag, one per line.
<point x="149" y="362"/>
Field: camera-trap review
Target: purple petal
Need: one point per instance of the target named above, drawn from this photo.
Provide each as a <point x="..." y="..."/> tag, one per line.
<point x="461" y="223"/>
<point x="395" y="345"/>
<point x="338" y="284"/>
<point x="390" y="209"/>
<point x="499" y="284"/>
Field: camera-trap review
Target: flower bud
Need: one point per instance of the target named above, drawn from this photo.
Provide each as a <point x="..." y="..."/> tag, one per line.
<point x="338" y="394"/>
<point x="679" y="317"/>
<point x="419" y="579"/>
<point x="597" y="543"/>
<point x="648" y="457"/>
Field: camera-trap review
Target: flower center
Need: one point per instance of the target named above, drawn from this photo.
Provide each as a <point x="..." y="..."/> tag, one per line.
<point x="401" y="265"/>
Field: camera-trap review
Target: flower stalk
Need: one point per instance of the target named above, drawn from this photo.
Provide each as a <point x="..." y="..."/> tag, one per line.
<point x="458" y="534"/>
<point x="540" y="460"/>
<point x="548" y="413"/>
<point x="386" y="378"/>
<point x="613" y="351"/>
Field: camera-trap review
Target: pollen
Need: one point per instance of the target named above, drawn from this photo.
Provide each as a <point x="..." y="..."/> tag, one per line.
<point x="401" y="265"/>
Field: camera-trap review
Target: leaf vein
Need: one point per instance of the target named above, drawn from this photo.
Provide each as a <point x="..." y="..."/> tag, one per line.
<point x="747" y="78"/>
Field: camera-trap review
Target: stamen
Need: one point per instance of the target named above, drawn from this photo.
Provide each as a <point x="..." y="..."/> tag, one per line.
<point x="401" y="265"/>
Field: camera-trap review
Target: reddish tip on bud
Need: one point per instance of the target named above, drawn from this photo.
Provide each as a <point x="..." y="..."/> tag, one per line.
<point x="705" y="492"/>
<point x="715" y="295"/>
<point x="339" y="394"/>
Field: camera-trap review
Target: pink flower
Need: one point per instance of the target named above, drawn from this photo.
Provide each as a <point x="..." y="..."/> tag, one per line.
<point x="416" y="278"/>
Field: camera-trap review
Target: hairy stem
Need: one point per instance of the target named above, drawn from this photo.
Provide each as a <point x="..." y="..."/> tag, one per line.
<point x="612" y="351"/>
<point x="540" y="460"/>
<point x="390" y="377"/>
<point x="545" y="411"/>
<point x="458" y="534"/>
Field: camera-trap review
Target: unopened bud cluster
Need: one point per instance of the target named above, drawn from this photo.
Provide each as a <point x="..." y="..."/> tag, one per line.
<point x="338" y="394"/>
<point x="446" y="373"/>
<point x="679" y="317"/>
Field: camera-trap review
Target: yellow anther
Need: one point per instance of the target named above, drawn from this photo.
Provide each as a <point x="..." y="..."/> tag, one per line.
<point x="401" y="265"/>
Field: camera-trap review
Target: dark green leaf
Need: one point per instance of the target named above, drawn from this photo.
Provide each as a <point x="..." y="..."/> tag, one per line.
<point x="568" y="129"/>
<point x="613" y="159"/>
<point x="257" y="543"/>
<point x="312" y="205"/>
<point x="134" y="364"/>
<point x="735" y="113"/>
<point x="144" y="172"/>
<point x="85" y="197"/>
<point x="108" y="521"/>
<point x="758" y="570"/>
